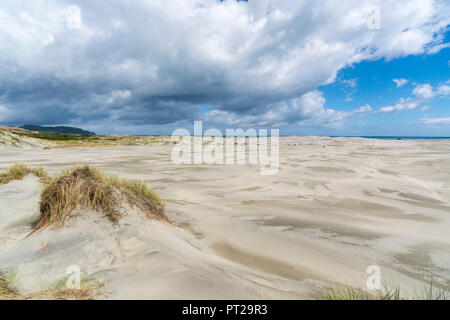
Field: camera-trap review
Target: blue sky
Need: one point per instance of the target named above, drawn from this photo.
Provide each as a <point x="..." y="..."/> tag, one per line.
<point x="306" y="67"/>
<point x="374" y="85"/>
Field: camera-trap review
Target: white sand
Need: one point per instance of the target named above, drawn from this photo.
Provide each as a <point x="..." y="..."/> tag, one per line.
<point x="9" y="140"/>
<point x="336" y="206"/>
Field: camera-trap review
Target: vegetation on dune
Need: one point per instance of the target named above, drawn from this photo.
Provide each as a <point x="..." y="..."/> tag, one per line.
<point x="8" y="289"/>
<point x="78" y="188"/>
<point x="53" y="140"/>
<point x="19" y="171"/>
<point x="74" y="140"/>
<point x="14" y="130"/>
<point x="88" y="188"/>
<point x="88" y="290"/>
<point x="385" y="293"/>
<point x="61" y="136"/>
<point x="85" y="188"/>
<point x="9" y="138"/>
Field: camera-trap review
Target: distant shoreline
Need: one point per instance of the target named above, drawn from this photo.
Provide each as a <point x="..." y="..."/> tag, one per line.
<point x="393" y="137"/>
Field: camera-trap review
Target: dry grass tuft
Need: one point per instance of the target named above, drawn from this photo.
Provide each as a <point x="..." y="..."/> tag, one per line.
<point x="387" y="292"/>
<point x="7" y="288"/>
<point x="89" y="188"/>
<point x="72" y="190"/>
<point x="19" y="171"/>
<point x="88" y="291"/>
<point x="346" y="293"/>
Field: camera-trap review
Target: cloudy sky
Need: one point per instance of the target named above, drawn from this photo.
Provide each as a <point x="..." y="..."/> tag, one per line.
<point x="312" y="67"/>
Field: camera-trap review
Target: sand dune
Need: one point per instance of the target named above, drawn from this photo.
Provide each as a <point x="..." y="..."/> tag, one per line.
<point x="337" y="206"/>
<point x="10" y="139"/>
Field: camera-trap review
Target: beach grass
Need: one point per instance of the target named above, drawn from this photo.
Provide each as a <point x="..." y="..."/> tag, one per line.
<point x="19" y="171"/>
<point x="16" y="136"/>
<point x="89" y="188"/>
<point x="8" y="289"/>
<point x="62" y="137"/>
<point x="387" y="292"/>
<point x="88" y="290"/>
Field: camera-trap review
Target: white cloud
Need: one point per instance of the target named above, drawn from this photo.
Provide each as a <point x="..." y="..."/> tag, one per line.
<point x="438" y="48"/>
<point x="363" y="109"/>
<point x="424" y="91"/>
<point x="308" y="110"/>
<point x="402" y="105"/>
<point x="349" y="88"/>
<point x="437" y="121"/>
<point x="74" y="18"/>
<point x="175" y="56"/>
<point x="352" y="83"/>
<point x="117" y="96"/>
<point x="443" y="90"/>
<point x="400" y="82"/>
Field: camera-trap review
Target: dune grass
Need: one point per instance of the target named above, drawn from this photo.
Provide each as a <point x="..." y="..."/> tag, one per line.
<point x="84" y="293"/>
<point x="15" y="136"/>
<point x="8" y="288"/>
<point x="88" y="188"/>
<point x="62" y="136"/>
<point x="19" y="171"/>
<point x="387" y="292"/>
<point x="88" y="290"/>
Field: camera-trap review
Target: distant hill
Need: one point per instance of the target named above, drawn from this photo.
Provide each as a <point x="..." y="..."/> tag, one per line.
<point x="65" y="130"/>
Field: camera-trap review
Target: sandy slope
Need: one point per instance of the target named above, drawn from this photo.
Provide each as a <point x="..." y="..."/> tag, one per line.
<point x="336" y="206"/>
<point x="10" y="140"/>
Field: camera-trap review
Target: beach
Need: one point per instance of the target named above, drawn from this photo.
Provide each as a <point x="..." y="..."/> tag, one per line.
<point x="335" y="207"/>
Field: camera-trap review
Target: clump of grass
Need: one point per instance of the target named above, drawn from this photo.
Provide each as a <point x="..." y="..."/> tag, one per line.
<point x="84" y="293"/>
<point x="88" y="188"/>
<point x="345" y="293"/>
<point x="385" y="293"/>
<point x="8" y="289"/>
<point x="72" y="190"/>
<point x="88" y="290"/>
<point x="138" y="194"/>
<point x="19" y="171"/>
<point x="430" y="293"/>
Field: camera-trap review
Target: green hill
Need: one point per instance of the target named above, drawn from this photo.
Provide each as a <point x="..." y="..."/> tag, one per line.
<point x="62" y="129"/>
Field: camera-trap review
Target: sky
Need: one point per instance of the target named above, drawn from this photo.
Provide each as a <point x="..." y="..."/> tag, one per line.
<point x="307" y="67"/>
